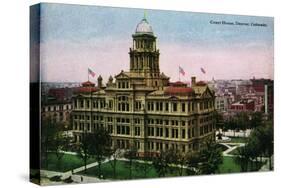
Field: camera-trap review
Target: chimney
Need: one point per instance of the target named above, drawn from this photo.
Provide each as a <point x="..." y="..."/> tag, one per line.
<point x="99" y="81"/>
<point x="193" y="81"/>
<point x="266" y="99"/>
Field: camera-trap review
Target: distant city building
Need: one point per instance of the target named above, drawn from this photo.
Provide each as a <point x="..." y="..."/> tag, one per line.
<point x="57" y="111"/>
<point x="264" y="91"/>
<point x="221" y="103"/>
<point x="245" y="105"/>
<point x="57" y="106"/>
<point x="142" y="108"/>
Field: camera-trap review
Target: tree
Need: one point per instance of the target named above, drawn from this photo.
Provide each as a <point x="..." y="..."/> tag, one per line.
<point x="243" y="158"/>
<point x="192" y="162"/>
<point x="231" y="124"/>
<point x="84" y="148"/>
<point x="256" y="120"/>
<point x="268" y="142"/>
<point x="242" y="122"/>
<point x="181" y="161"/>
<point x="210" y="158"/>
<point x="259" y="144"/>
<point x="264" y="136"/>
<point x="53" y="140"/>
<point x="60" y="143"/>
<point x="100" y="146"/>
<point x="162" y="162"/>
<point x="218" y="121"/>
<point x="145" y="166"/>
<point x="48" y="130"/>
<point x="115" y="153"/>
<point x="131" y="155"/>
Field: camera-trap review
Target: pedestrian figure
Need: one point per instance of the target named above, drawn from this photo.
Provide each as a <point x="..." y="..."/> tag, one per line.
<point x="81" y="178"/>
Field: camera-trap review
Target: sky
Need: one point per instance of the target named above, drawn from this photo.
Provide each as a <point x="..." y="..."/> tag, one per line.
<point x="75" y="38"/>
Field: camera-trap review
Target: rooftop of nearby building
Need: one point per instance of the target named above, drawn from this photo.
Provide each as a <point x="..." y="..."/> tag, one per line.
<point x="172" y="90"/>
<point x="178" y="84"/>
<point x="243" y="102"/>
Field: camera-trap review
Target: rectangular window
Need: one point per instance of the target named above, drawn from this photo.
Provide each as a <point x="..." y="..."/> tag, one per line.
<point x="110" y="104"/>
<point x="137" y="131"/>
<point x="175" y="107"/>
<point x="81" y="104"/>
<point x="123" y="130"/>
<point x="183" y="107"/>
<point x="167" y="132"/>
<point x="157" y="146"/>
<point x="137" y="105"/>
<point x="183" y="133"/>
<point x="127" y="130"/>
<point x="193" y="132"/>
<point x="118" y="129"/>
<point x="157" y="131"/>
<point x="152" y="131"/>
<point x="167" y="106"/>
<point x="157" y="106"/>
<point x="161" y="106"/>
<point x="110" y="129"/>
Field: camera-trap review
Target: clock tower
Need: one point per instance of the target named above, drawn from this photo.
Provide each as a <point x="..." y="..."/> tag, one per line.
<point x="144" y="55"/>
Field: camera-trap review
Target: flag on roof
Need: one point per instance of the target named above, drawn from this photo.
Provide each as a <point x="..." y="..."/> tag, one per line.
<point x="91" y="73"/>
<point x="203" y="71"/>
<point x="181" y="71"/>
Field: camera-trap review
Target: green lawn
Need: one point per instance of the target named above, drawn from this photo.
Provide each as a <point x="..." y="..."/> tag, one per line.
<point x="230" y="166"/>
<point x="122" y="171"/>
<point x="238" y="139"/>
<point x="68" y="162"/>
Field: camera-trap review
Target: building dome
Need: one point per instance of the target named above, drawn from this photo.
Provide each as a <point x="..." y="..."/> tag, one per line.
<point x="144" y="28"/>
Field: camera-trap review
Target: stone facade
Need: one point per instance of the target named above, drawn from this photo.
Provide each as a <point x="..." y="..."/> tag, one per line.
<point x="142" y="108"/>
<point x="57" y="111"/>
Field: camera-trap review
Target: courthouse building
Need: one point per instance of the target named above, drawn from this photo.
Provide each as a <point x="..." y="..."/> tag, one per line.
<point x="142" y="108"/>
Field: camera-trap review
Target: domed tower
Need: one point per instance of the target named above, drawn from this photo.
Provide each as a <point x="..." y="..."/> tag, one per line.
<point x="144" y="56"/>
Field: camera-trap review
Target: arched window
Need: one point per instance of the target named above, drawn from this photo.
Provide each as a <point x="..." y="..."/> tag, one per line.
<point x="123" y="103"/>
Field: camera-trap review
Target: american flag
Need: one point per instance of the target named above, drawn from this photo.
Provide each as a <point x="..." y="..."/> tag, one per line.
<point x="181" y="71"/>
<point x="91" y="73"/>
<point x="203" y="71"/>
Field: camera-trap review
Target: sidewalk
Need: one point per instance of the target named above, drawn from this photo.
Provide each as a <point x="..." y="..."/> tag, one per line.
<point x="76" y="178"/>
<point x="230" y="149"/>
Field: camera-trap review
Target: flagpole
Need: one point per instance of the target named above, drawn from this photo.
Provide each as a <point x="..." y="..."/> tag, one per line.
<point x="179" y="73"/>
<point x="88" y="76"/>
